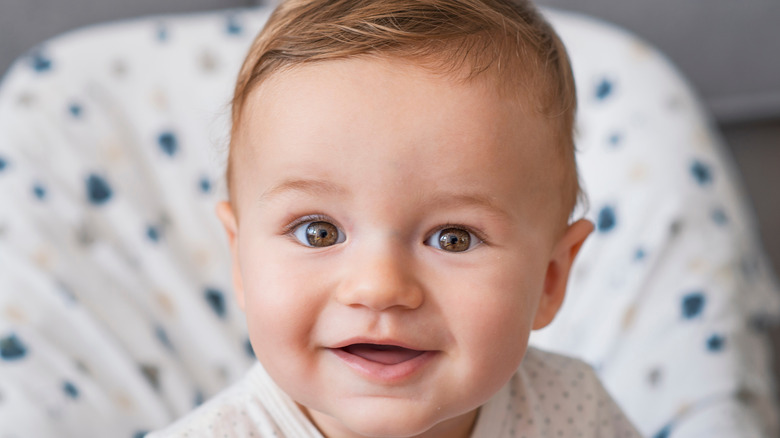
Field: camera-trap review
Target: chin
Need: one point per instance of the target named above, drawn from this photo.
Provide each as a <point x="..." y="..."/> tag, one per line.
<point x="396" y="427"/>
<point x="393" y="423"/>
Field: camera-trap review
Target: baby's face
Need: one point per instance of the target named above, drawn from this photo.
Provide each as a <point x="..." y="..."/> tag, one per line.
<point x="392" y="243"/>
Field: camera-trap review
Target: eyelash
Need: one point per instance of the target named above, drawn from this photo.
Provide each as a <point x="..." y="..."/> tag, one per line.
<point x="290" y="228"/>
<point x="476" y="232"/>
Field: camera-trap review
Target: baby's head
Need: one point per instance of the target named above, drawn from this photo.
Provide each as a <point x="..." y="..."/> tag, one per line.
<point x="401" y="179"/>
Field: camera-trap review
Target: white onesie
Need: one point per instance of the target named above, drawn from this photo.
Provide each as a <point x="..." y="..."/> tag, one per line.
<point x="549" y="396"/>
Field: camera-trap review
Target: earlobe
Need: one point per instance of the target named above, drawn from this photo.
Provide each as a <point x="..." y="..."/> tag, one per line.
<point x="558" y="270"/>
<point x="228" y="218"/>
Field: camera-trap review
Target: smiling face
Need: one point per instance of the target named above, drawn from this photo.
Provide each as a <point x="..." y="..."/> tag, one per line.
<point x="393" y="242"/>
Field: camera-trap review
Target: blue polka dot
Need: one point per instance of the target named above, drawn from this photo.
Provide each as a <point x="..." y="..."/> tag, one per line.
<point x="692" y="304"/>
<point x="65" y="291"/>
<point x="606" y="220"/>
<point x="604" y="89"/>
<point x="70" y="390"/>
<point x="663" y="433"/>
<point x="11" y="348"/>
<point x="152" y="375"/>
<point x="204" y="184"/>
<point x="168" y="143"/>
<point x="232" y="26"/>
<point x="162" y="336"/>
<point x="615" y="139"/>
<point x="216" y="300"/>
<point x="40" y="62"/>
<point x="639" y="254"/>
<point x="162" y="33"/>
<point x="248" y="347"/>
<point x="153" y="233"/>
<point x="75" y="110"/>
<point x="198" y="399"/>
<point x="715" y="343"/>
<point x="140" y="434"/>
<point x="719" y="216"/>
<point x="39" y="191"/>
<point x="701" y="172"/>
<point x="3" y="164"/>
<point x="98" y="190"/>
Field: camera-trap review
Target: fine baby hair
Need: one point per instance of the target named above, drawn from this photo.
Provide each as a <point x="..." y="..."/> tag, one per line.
<point x="507" y="41"/>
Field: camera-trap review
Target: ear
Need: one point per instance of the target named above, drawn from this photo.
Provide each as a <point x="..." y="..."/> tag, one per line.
<point x="558" y="271"/>
<point x="228" y="218"/>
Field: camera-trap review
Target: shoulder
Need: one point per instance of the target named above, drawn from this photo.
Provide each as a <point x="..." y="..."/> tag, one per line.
<point x="563" y="395"/>
<point x="236" y="411"/>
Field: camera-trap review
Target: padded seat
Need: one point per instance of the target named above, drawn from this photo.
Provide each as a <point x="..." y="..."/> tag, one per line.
<point x="116" y="311"/>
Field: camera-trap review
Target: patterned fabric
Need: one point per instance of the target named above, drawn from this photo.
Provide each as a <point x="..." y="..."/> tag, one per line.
<point x="549" y="396"/>
<point x="116" y="315"/>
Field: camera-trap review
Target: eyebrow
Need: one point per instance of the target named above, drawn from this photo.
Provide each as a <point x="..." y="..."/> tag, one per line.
<point x="478" y="200"/>
<point x="310" y="186"/>
<point x="320" y="187"/>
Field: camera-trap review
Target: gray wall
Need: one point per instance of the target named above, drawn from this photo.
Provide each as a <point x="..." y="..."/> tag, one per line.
<point x="729" y="50"/>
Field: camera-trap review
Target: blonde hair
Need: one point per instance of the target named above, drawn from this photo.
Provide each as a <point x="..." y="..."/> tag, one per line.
<point x="506" y="38"/>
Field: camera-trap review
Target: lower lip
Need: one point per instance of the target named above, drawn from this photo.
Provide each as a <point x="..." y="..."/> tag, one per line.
<point x="385" y="373"/>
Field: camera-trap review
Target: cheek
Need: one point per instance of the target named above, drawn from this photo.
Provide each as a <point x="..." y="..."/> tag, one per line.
<point x="281" y="303"/>
<point x="495" y="313"/>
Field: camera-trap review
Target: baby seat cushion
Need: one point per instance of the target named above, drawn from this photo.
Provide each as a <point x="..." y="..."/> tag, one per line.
<point x="116" y="310"/>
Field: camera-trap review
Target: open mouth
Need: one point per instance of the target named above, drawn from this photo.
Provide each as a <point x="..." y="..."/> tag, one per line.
<point x="383" y="354"/>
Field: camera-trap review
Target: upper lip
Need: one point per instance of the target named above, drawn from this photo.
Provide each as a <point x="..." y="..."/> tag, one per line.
<point x="382" y="341"/>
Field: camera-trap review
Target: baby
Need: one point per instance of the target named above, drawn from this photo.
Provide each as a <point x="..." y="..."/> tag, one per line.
<point x="401" y="180"/>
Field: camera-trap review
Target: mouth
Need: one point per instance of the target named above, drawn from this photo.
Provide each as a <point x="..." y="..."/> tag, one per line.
<point x="383" y="354"/>
<point x="383" y="363"/>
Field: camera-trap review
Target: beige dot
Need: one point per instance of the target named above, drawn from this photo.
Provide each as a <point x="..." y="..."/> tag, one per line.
<point x="207" y="61"/>
<point x="43" y="258"/>
<point x="701" y="138"/>
<point x="15" y="314"/>
<point x="683" y="409"/>
<point x="639" y="49"/>
<point x="638" y="172"/>
<point x="124" y="401"/>
<point x="201" y="257"/>
<point x="628" y="318"/>
<point x="159" y="100"/>
<point x="165" y="302"/>
<point x="697" y="265"/>
<point x="112" y="151"/>
<point x="26" y="99"/>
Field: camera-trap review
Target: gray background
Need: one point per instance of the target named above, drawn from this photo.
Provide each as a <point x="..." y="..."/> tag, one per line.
<point x="729" y="50"/>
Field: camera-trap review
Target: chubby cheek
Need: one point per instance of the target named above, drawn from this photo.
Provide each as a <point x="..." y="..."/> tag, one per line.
<point x="281" y="306"/>
<point x="493" y="319"/>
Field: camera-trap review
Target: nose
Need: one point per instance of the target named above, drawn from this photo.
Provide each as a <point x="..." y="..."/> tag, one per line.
<point x="381" y="280"/>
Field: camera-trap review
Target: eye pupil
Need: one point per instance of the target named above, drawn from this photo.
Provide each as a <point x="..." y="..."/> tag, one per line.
<point x="454" y="239"/>
<point x="321" y="234"/>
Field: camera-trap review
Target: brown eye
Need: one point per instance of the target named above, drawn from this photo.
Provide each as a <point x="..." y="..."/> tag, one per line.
<point x="454" y="239"/>
<point x="321" y="234"/>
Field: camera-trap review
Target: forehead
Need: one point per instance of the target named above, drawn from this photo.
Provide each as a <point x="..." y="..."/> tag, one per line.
<point x="334" y="118"/>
